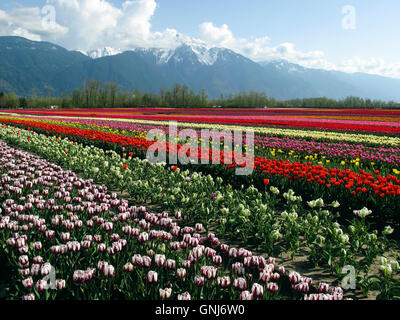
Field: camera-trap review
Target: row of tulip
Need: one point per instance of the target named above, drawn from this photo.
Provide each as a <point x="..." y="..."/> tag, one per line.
<point x="247" y="214"/>
<point x="318" y="135"/>
<point x="236" y="119"/>
<point x="354" y="188"/>
<point x="67" y="238"/>
<point x="393" y="113"/>
<point x="292" y="146"/>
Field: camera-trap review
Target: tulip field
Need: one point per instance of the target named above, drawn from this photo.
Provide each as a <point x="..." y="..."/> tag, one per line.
<point x="86" y="216"/>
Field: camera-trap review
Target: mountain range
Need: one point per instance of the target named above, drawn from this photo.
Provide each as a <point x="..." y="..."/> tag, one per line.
<point x="31" y="67"/>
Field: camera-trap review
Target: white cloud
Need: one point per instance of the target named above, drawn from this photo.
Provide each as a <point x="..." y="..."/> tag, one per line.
<point x="98" y="23"/>
<point x="19" y="32"/>
<point x="89" y="21"/>
<point x="260" y="49"/>
<point x="28" y="23"/>
<point x="372" y="66"/>
<point x="222" y="36"/>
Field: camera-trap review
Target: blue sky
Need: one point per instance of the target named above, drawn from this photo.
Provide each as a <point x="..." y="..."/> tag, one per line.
<point x="310" y="24"/>
<point x="308" y="32"/>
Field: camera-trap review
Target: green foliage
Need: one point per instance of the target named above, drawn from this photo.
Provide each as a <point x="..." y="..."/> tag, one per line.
<point x="95" y="94"/>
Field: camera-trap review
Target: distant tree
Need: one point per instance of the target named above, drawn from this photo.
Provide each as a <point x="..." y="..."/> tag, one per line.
<point x="93" y="91"/>
<point x="77" y="98"/>
<point x="23" y="103"/>
<point x="176" y="91"/>
<point x="203" y="97"/>
<point x="93" y="94"/>
<point x="163" y="96"/>
<point x="3" y="100"/>
<point x="112" y="89"/>
<point x="168" y="99"/>
<point x="185" y="94"/>
<point x="191" y="99"/>
<point x="12" y="101"/>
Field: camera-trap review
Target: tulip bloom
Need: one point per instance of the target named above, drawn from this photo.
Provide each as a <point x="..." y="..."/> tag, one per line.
<point x="224" y="282"/>
<point x="50" y="234"/>
<point x="108" y="226"/>
<point x="337" y="293"/>
<point x="178" y="215"/>
<point x="323" y="287"/>
<point x="257" y="290"/>
<point x="184" y="296"/>
<point x="143" y="237"/>
<point x="24" y="260"/>
<point x="109" y="271"/>
<point x="101" y="247"/>
<point x="79" y="276"/>
<point x="42" y="285"/>
<point x="265" y="277"/>
<point x="181" y="272"/>
<point x="128" y="267"/>
<point x="217" y="260"/>
<point x="45" y="269"/>
<point x="245" y="295"/>
<point x="272" y="287"/>
<point x="146" y="261"/>
<point x="37" y="246"/>
<point x="137" y="260"/>
<point x="28" y="282"/>
<point x="152" y="277"/>
<point x="197" y="252"/>
<point x="65" y="237"/>
<point x="233" y="253"/>
<point x="165" y="293"/>
<point x="239" y="268"/>
<point x="160" y="260"/>
<point x="25" y="272"/>
<point x="209" y="272"/>
<point x="282" y="270"/>
<point x="199" y="281"/>
<point x="240" y="284"/>
<point x="60" y="284"/>
<point x="275" y="276"/>
<point x="186" y="264"/>
<point x="301" y="287"/>
<point x="294" y="277"/>
<point x="170" y="264"/>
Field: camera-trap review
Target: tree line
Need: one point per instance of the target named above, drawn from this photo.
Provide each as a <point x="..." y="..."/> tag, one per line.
<point x="94" y="94"/>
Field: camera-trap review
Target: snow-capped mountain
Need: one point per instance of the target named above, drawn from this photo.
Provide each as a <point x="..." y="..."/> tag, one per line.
<point x="103" y="52"/>
<point x="282" y="65"/>
<point x="52" y="69"/>
<point x="188" y="52"/>
<point x="198" y="53"/>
